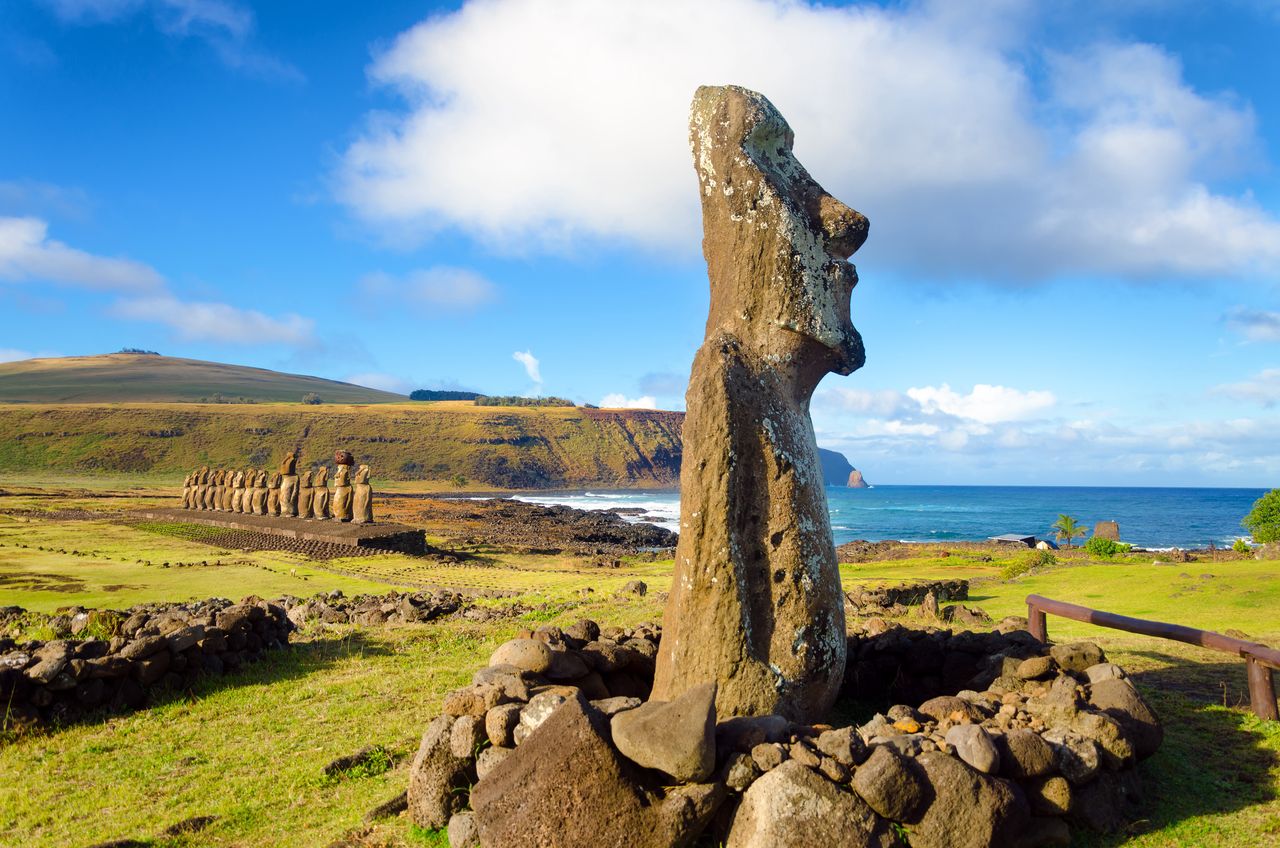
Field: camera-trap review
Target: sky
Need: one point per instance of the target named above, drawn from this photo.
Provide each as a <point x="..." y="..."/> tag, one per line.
<point x="1071" y="275"/>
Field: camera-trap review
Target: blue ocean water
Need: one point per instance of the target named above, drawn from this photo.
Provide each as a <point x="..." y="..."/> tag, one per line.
<point x="1148" y="517"/>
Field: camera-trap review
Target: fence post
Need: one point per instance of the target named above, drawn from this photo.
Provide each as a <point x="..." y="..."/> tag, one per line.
<point x="1037" y="624"/>
<point x="1262" y="692"/>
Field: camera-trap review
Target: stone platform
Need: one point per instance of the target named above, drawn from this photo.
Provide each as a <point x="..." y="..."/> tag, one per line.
<point x="359" y="537"/>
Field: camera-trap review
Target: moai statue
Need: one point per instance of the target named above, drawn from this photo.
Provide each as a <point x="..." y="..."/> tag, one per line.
<point x="186" y="491"/>
<point x="320" y="493"/>
<point x="273" y="495"/>
<point x="237" y="492"/>
<point x="202" y="484"/>
<point x="342" y="486"/>
<point x="305" y="492"/>
<point x="228" y="480"/>
<point x="260" y="493"/>
<point x="246" y="497"/>
<point x="211" y="493"/>
<point x="756" y="605"/>
<point x="362" y="501"/>
<point x="289" y="486"/>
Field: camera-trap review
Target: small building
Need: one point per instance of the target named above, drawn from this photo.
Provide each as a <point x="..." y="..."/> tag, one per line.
<point x="1014" y="539"/>
<point x="1046" y="545"/>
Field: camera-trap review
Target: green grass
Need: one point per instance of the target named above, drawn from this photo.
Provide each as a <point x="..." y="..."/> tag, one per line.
<point x="250" y="748"/>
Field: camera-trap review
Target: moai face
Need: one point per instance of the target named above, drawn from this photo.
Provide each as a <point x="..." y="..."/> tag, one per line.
<point x="792" y="303"/>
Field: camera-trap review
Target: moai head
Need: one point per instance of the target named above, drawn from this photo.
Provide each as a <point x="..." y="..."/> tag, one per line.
<point x="776" y="243"/>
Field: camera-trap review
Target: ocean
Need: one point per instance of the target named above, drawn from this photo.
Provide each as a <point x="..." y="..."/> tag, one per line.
<point x="1148" y="517"/>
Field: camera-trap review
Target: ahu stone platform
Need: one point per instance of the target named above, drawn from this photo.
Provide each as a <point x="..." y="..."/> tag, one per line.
<point x="362" y="538"/>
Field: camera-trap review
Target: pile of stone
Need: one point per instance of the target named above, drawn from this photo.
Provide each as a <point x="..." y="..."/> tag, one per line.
<point x="144" y="649"/>
<point x="390" y="608"/>
<point x="880" y="599"/>
<point x="554" y="744"/>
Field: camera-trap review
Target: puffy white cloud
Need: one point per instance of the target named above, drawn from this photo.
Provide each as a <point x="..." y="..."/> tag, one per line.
<point x="987" y="404"/>
<point x="934" y="123"/>
<point x="218" y="322"/>
<point x="618" y="400"/>
<point x="433" y="289"/>
<point x="1257" y="325"/>
<point x="531" y="365"/>
<point x="27" y="253"/>
<point x="1262" y="388"/>
<point x="865" y="402"/>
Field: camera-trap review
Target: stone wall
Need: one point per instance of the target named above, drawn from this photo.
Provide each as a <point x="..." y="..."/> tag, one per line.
<point x="146" y="648"/>
<point x="881" y="598"/>
<point x="1010" y="743"/>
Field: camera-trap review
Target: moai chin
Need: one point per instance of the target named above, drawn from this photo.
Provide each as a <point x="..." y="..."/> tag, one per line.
<point x="756" y="604"/>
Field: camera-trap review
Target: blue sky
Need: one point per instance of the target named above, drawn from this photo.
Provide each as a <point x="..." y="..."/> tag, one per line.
<point x="1075" y="241"/>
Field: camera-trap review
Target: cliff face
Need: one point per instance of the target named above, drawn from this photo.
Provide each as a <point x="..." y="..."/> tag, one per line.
<point x="498" y="447"/>
<point x="856" y="481"/>
<point x="502" y="447"/>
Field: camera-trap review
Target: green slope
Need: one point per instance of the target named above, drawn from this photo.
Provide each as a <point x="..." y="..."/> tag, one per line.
<point x="143" y="378"/>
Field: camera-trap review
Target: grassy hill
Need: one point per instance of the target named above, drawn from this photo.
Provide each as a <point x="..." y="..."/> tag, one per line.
<point x="147" y="378"/>
<point x="494" y="447"/>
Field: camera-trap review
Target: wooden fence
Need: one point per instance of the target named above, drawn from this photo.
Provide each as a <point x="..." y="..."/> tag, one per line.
<point x="1259" y="659"/>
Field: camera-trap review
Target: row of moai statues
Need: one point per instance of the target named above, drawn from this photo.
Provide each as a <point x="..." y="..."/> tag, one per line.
<point x="285" y="493"/>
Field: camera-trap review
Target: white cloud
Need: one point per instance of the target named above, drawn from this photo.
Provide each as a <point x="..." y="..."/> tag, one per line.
<point x="864" y="402"/>
<point x="1256" y="325"/>
<point x="434" y="289"/>
<point x="531" y="366"/>
<point x="987" y="404"/>
<point x="226" y="26"/>
<point x="618" y="400"/>
<point x="11" y="354"/>
<point x="218" y="322"/>
<point x="1263" y="388"/>
<point x="378" y="380"/>
<point x="937" y="125"/>
<point x="27" y="253"/>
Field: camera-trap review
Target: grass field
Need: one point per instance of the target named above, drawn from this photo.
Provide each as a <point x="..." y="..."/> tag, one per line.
<point x="249" y="750"/>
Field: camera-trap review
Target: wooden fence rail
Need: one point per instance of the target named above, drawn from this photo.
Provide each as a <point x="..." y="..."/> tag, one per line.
<point x="1259" y="659"/>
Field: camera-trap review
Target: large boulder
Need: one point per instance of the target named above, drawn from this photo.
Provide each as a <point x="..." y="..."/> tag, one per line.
<point x="891" y="784"/>
<point x="792" y="807"/>
<point x="438" y="777"/>
<point x="1120" y="700"/>
<point x="566" y="786"/>
<point x="677" y="738"/>
<point x="969" y="809"/>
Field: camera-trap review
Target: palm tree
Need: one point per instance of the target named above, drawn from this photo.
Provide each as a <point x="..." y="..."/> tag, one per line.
<point x="1067" y="528"/>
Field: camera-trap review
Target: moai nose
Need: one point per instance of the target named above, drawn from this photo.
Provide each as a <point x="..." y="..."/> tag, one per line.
<point x="845" y="229"/>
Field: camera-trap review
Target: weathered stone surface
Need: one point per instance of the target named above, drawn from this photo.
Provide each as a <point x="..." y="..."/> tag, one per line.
<point x="1035" y="668"/>
<point x="527" y="654"/>
<point x="1023" y="754"/>
<point x="1077" y="758"/>
<point x="1120" y="700"/>
<point x="491" y="758"/>
<point x="540" y="708"/>
<point x="466" y="737"/>
<point x="612" y="706"/>
<point x="463" y="832"/>
<point x="1104" y="671"/>
<point x="791" y="807"/>
<point x="844" y="745"/>
<point x="566" y="787"/>
<point x="1107" y="803"/>
<point x="1050" y="797"/>
<point x="676" y="738"/>
<point x="973" y="745"/>
<point x="500" y="724"/>
<point x="1077" y="656"/>
<point x="436" y="776"/>
<point x="744" y="733"/>
<point x="476" y="699"/>
<point x="756" y="604"/>
<point x="891" y="784"/>
<point x="768" y="755"/>
<point x="968" y="809"/>
<point x="944" y="706"/>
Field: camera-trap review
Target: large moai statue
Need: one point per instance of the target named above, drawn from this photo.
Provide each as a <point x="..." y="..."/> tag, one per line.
<point x="273" y="494"/>
<point x="228" y="480"/>
<point x="305" y="492"/>
<point x="211" y="490"/>
<point x="289" y="486"/>
<point x="756" y="605"/>
<point x="260" y="493"/>
<point x="320" y="493"/>
<point x="186" y="491"/>
<point x="342" y="486"/>
<point x="362" y="497"/>
<point x="237" y="492"/>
